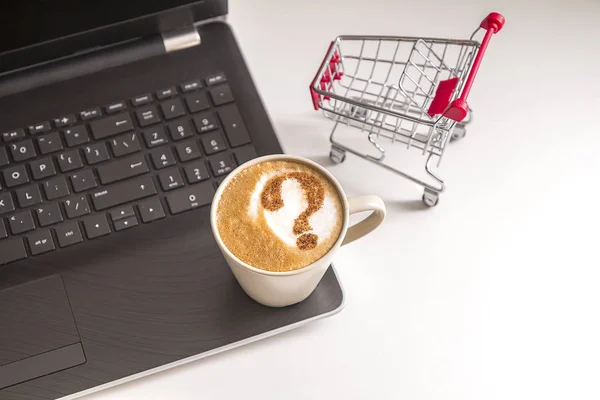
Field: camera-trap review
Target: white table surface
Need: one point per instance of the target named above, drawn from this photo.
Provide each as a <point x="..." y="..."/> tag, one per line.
<point x="493" y="294"/>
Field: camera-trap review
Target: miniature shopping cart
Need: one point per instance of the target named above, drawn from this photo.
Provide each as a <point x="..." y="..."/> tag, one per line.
<point x="406" y="90"/>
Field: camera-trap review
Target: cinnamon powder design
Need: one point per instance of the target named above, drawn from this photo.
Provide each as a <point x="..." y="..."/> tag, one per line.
<point x="315" y="195"/>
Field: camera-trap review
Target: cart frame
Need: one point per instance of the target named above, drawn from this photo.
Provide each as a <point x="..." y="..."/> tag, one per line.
<point x="424" y="108"/>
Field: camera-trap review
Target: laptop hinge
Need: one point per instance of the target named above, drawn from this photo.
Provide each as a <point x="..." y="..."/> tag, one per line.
<point x="181" y="38"/>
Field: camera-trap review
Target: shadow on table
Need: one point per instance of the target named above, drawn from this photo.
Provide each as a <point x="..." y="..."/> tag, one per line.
<point x="406" y="205"/>
<point x="322" y="160"/>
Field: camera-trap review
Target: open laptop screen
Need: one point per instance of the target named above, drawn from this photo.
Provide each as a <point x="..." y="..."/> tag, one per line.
<point x="29" y="23"/>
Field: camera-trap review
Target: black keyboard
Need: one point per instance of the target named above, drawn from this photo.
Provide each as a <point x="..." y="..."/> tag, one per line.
<point x="114" y="167"/>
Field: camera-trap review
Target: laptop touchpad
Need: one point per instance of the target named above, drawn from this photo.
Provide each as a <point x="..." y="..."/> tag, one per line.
<point x="38" y="335"/>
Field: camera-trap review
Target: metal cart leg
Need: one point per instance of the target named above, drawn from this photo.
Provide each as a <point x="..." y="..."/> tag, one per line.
<point x="337" y="154"/>
<point x="431" y="195"/>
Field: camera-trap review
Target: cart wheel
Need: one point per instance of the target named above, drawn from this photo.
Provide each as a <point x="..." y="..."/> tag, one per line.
<point x="458" y="133"/>
<point x="430" y="198"/>
<point x="337" y="155"/>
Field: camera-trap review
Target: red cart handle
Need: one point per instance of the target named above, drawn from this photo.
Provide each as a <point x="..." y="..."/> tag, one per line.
<point x="458" y="109"/>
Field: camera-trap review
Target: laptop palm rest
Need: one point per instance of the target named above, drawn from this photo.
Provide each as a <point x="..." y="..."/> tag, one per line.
<point x="38" y="335"/>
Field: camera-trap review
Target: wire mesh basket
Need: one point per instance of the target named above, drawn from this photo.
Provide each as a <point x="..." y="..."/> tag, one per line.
<point x="406" y="90"/>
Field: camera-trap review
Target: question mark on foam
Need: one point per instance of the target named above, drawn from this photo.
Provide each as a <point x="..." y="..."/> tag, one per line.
<point x="314" y="191"/>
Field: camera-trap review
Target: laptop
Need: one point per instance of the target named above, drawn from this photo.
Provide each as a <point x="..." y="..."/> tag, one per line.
<point x="117" y="125"/>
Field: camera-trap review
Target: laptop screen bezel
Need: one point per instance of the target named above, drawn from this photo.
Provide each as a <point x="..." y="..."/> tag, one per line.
<point x="44" y="49"/>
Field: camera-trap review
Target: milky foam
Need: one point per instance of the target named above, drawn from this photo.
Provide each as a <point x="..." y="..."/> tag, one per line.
<point x="281" y="222"/>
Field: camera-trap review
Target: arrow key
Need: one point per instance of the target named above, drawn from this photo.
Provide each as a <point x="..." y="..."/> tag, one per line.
<point x="95" y="226"/>
<point x="151" y="210"/>
<point x="40" y="242"/>
<point x="121" y="213"/>
<point x="127" y="223"/>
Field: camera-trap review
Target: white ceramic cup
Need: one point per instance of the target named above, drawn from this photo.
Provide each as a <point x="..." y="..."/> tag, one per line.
<point x="279" y="289"/>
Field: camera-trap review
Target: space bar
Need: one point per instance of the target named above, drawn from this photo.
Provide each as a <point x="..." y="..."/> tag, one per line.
<point x="124" y="192"/>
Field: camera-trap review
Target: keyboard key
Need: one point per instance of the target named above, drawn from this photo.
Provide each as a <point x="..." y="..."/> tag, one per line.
<point x="155" y="136"/>
<point x="21" y="222"/>
<point x="205" y="122"/>
<point x="91" y="113"/>
<point x="3" y="230"/>
<point x="42" y="168"/>
<point x="215" y="79"/>
<point x="64" y="121"/>
<point x="121" y="212"/>
<point x="6" y="203"/>
<point x="49" y="214"/>
<point x="41" y="242"/>
<point x="77" y="206"/>
<point x="56" y="188"/>
<point x="126" y="223"/>
<point x="13" y="135"/>
<point x="3" y="157"/>
<point x="125" y="192"/>
<point x="221" y="95"/>
<point x="244" y="154"/>
<point x="23" y="150"/>
<point x="68" y="234"/>
<point x="170" y="179"/>
<point x="95" y="153"/>
<point x="192" y="85"/>
<point x="196" y="172"/>
<point x="213" y="143"/>
<point x="115" y="107"/>
<point x="162" y="158"/>
<point x="147" y="116"/>
<point x="235" y="130"/>
<point x="180" y="129"/>
<point x="125" y="144"/>
<point x="69" y="161"/>
<point x="123" y="169"/>
<point x="76" y="135"/>
<point x="168" y="92"/>
<point x="222" y="165"/>
<point x="39" y="127"/>
<point x="83" y="180"/>
<point x="110" y="126"/>
<point x="49" y="143"/>
<point x="12" y="250"/>
<point x="190" y="197"/>
<point x="151" y="210"/>
<point x="96" y="226"/>
<point x="188" y="151"/>
<point x="197" y="101"/>
<point x="172" y="108"/>
<point x="28" y="196"/>
<point x="16" y="175"/>
<point x="141" y="99"/>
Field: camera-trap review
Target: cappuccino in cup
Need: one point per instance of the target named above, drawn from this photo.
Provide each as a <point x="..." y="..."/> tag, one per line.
<point x="279" y="221"/>
<point x="280" y="215"/>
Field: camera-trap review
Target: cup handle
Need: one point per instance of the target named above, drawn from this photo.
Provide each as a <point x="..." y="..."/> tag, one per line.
<point x="364" y="203"/>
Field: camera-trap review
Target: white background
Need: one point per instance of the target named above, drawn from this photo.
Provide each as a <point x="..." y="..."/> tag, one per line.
<point x="493" y="294"/>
